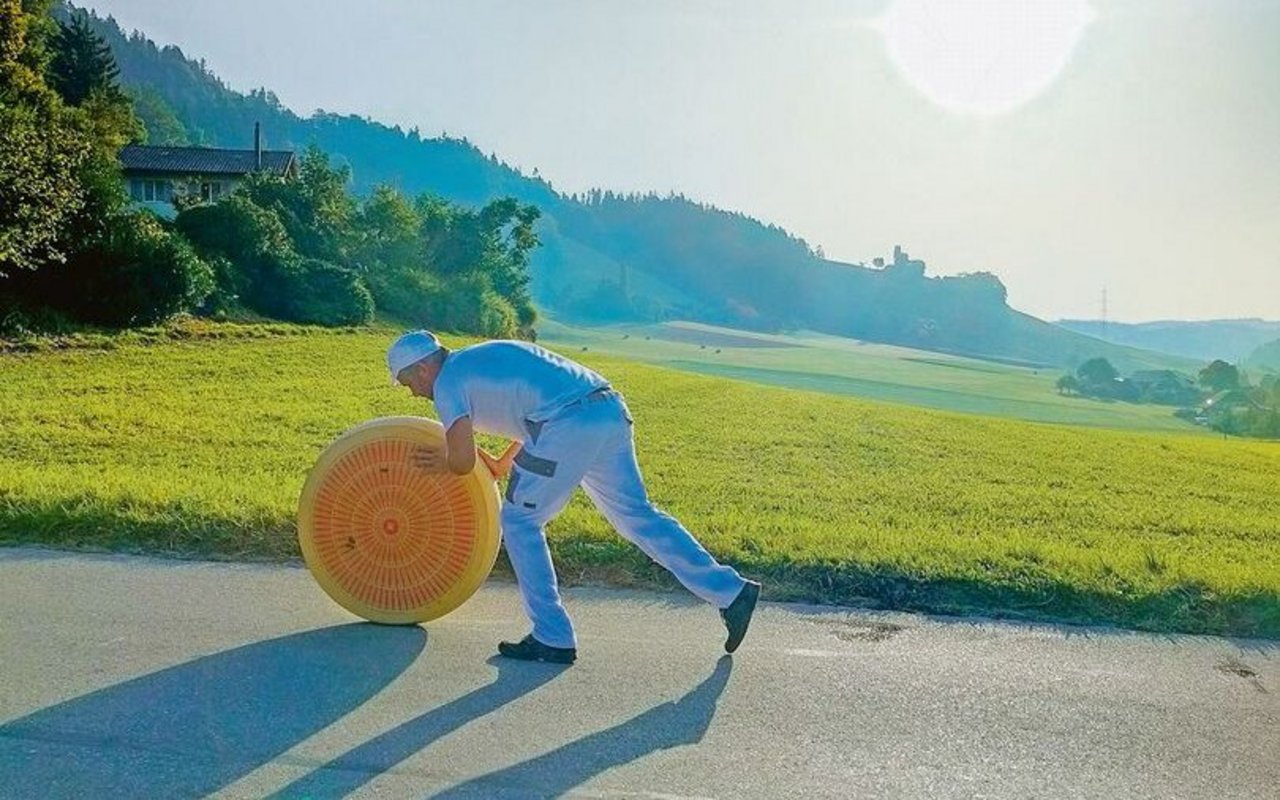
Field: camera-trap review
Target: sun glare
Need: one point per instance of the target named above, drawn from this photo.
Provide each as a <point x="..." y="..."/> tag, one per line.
<point x="982" y="56"/>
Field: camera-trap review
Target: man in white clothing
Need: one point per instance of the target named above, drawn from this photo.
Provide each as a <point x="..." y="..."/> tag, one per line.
<point x="568" y="427"/>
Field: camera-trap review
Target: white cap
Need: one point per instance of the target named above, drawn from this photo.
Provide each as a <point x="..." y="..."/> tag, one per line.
<point x="409" y="349"/>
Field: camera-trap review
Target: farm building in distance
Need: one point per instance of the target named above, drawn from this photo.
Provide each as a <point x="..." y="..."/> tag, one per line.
<point x="156" y="176"/>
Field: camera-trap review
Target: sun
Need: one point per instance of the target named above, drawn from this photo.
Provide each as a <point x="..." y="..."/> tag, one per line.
<point x="982" y="56"/>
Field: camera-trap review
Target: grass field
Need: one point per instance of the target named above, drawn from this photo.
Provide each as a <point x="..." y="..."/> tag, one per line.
<point x="893" y="374"/>
<point x="200" y="446"/>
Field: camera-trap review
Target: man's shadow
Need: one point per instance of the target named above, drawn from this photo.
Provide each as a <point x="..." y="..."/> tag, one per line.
<point x="682" y="722"/>
<point x="351" y="770"/>
<point x="190" y="729"/>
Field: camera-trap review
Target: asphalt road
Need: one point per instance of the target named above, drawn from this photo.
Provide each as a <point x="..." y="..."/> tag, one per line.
<point x="134" y="677"/>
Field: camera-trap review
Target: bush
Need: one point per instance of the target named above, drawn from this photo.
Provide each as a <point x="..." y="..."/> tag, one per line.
<point x="258" y="258"/>
<point x="222" y="302"/>
<point x="258" y="268"/>
<point x="468" y="304"/>
<point x="321" y="293"/>
<point x="19" y="322"/>
<point x="135" y="273"/>
<point x="409" y="295"/>
<point x="496" y="317"/>
<point x="465" y="304"/>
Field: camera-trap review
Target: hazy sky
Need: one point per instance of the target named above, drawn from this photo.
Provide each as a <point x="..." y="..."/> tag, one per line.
<point x="1066" y="146"/>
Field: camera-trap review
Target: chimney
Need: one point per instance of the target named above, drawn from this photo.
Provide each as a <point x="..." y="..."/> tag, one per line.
<point x="257" y="145"/>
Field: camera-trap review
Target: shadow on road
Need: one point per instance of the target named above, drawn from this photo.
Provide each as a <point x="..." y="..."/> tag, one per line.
<point x="351" y="770"/>
<point x="188" y="730"/>
<point x="682" y="722"/>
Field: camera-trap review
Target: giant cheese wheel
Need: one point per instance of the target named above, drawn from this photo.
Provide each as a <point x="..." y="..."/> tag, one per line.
<point x="388" y="540"/>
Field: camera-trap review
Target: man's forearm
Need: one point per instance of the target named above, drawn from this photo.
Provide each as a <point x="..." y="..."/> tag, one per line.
<point x="460" y="447"/>
<point x="460" y="461"/>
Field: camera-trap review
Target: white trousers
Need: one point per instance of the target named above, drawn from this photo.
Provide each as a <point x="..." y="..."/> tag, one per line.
<point x="591" y="444"/>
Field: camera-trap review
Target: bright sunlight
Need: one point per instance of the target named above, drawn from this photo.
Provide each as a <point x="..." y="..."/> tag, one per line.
<point x="982" y="56"/>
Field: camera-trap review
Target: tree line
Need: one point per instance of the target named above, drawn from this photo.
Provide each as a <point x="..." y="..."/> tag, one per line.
<point x="305" y="249"/>
<point x="1221" y="396"/>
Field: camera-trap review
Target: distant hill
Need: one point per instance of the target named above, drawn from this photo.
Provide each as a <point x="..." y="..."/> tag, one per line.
<point x="1266" y="357"/>
<point x="1228" y="339"/>
<point x="612" y="258"/>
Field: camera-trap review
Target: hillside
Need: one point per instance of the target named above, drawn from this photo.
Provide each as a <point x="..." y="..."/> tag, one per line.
<point x="1228" y="339"/>
<point x="1266" y="357"/>
<point x="610" y="258"/>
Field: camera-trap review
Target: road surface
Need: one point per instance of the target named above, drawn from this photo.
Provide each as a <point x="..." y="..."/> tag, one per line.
<point x="135" y="677"/>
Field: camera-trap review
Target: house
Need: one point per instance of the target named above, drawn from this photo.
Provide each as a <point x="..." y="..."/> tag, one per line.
<point x="156" y="176"/>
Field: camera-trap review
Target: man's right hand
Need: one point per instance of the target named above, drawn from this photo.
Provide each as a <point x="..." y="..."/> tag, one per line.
<point x="428" y="458"/>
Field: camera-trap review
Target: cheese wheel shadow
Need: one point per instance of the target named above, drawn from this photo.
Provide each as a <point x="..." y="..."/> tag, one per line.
<point x="188" y="730"/>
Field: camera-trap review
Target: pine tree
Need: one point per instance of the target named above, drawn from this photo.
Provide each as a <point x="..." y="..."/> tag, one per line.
<point x="82" y="63"/>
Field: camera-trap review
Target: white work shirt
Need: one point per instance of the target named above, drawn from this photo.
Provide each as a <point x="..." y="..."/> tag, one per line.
<point x="501" y="384"/>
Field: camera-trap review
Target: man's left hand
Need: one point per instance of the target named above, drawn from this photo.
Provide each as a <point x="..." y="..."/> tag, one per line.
<point x="498" y="467"/>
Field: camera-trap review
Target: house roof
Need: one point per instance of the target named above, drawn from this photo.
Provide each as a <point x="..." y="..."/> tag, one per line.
<point x="202" y="160"/>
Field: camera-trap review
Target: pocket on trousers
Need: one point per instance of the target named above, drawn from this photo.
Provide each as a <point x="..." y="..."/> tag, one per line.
<point x="538" y="466"/>
<point x="531" y="478"/>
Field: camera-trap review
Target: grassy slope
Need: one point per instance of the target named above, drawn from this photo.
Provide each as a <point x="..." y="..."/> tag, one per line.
<point x="202" y="447"/>
<point x="874" y="371"/>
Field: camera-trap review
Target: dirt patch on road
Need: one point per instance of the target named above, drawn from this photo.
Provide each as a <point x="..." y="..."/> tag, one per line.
<point x="1236" y="667"/>
<point x="860" y="630"/>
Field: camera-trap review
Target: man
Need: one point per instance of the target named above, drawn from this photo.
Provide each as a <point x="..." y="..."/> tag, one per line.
<point x="567" y="427"/>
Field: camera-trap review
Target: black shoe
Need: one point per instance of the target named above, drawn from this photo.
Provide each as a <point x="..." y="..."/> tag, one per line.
<point x="530" y="649"/>
<point x="738" y="615"/>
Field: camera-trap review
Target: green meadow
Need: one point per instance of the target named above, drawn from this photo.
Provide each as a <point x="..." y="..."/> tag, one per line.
<point x="197" y="440"/>
<point x="835" y="365"/>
